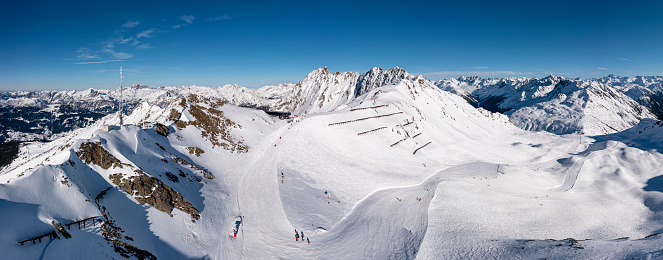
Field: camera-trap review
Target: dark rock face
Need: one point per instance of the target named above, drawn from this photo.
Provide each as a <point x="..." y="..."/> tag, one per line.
<point x="113" y="233"/>
<point x="94" y="153"/>
<point x="172" y="177"/>
<point x="8" y="152"/>
<point x="212" y="123"/>
<point x="162" y="129"/>
<point x="195" y="151"/>
<point x="205" y="173"/>
<point x="150" y="190"/>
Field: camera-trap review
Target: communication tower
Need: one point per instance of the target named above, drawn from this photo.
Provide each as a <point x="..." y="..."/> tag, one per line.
<point x="121" y="98"/>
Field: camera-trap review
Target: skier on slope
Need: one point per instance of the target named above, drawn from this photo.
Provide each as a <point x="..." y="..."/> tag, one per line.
<point x="296" y="236"/>
<point x="302" y="235"/>
<point x="309" y="241"/>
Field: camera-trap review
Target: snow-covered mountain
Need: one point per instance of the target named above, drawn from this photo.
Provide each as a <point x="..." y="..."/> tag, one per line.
<point x="559" y="105"/>
<point x="555" y="104"/>
<point x="386" y="166"/>
<point x="32" y="115"/>
<point x="647" y="90"/>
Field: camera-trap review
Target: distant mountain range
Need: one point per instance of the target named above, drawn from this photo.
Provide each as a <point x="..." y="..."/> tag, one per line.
<point x="554" y="104"/>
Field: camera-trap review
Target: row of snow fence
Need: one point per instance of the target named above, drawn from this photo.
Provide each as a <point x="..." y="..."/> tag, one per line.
<point x="52" y="234"/>
<point x="416" y="135"/>
<point x="369" y="131"/>
<point x="415" y="151"/>
<point x="361" y="108"/>
<point x="399" y="141"/>
<point x="408" y="123"/>
<point x="365" y="118"/>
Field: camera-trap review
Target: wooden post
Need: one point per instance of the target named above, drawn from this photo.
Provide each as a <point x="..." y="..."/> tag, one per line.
<point x="83" y="223"/>
<point x="79" y="225"/>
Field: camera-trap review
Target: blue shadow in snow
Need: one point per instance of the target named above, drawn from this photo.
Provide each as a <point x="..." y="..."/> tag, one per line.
<point x="655" y="184"/>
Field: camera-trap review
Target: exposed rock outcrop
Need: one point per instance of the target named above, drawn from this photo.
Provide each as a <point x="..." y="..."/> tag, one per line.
<point x="149" y="190"/>
<point x="213" y="125"/>
<point x="94" y="153"/>
<point x="162" y="129"/>
<point x="195" y="151"/>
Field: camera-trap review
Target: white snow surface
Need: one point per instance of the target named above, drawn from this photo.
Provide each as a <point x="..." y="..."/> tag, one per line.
<point x="379" y="169"/>
<point x="563" y="106"/>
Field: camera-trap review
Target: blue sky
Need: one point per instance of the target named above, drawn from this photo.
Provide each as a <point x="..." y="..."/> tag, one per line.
<point x="79" y="45"/>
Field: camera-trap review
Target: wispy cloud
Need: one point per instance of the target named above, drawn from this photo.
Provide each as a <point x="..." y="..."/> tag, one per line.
<point x="144" y="46"/>
<point x="188" y="18"/>
<point x="496" y="73"/>
<point x="602" y="69"/>
<point x="97" y="62"/>
<point x="219" y="18"/>
<point x="125" y="40"/>
<point x="480" y="68"/>
<point x="85" y="54"/>
<point x="131" y="24"/>
<point x="136" y="70"/>
<point x="623" y="59"/>
<point x="117" y="46"/>
<point x="122" y="55"/>
<point x="146" y="34"/>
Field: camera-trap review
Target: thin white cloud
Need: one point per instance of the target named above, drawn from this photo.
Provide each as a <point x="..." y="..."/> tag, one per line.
<point x="86" y="54"/>
<point x="558" y="73"/>
<point x="102" y="70"/>
<point x="122" y="40"/>
<point x="144" y="46"/>
<point x="496" y="73"/>
<point x="188" y="18"/>
<point x="623" y="59"/>
<point x="138" y="70"/>
<point x="122" y="55"/>
<point x="480" y="68"/>
<point x="109" y="48"/>
<point x="602" y="69"/>
<point x="146" y="34"/>
<point x="219" y="18"/>
<point x="131" y="24"/>
<point x="97" y="62"/>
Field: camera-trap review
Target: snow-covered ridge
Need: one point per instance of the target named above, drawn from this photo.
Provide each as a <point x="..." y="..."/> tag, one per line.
<point x="559" y="105"/>
<point x="554" y="104"/>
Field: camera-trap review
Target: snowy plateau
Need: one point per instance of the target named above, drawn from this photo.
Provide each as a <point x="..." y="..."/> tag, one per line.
<point x="379" y="165"/>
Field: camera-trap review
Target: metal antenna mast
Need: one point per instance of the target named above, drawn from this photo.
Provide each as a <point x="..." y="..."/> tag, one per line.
<point x="121" y="98"/>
